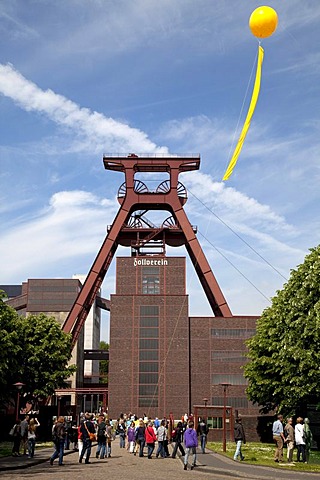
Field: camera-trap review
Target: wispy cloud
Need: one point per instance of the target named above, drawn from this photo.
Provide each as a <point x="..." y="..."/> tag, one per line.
<point x="69" y="227"/>
<point x="99" y="132"/>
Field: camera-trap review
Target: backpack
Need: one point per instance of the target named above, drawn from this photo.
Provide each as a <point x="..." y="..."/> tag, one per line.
<point x="101" y="429"/>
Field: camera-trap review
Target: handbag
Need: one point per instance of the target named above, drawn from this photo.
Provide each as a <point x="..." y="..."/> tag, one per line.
<point x="92" y="436"/>
<point x="11" y="433"/>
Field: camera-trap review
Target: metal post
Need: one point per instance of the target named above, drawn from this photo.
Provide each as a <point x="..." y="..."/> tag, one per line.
<point x="224" y="441"/>
<point x="18" y="386"/>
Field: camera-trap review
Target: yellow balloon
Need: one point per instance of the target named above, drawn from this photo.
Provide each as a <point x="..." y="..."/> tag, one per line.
<point x="263" y="21"/>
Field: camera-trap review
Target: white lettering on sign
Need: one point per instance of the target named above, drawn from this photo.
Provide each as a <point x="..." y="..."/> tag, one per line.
<point x="145" y="262"/>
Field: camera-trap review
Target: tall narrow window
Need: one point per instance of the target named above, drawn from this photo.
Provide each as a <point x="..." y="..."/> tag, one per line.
<point x="150" y="280"/>
<point x="148" y="355"/>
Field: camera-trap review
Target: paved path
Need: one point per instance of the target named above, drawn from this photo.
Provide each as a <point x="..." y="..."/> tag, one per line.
<point x="210" y="466"/>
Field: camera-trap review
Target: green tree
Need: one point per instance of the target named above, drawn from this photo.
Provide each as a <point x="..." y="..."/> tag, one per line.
<point x="104" y="364"/>
<point x="10" y="331"/>
<point x="284" y="367"/>
<point x="35" y="351"/>
<point x="45" y="355"/>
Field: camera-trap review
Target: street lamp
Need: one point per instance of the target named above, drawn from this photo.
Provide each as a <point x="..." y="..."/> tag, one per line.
<point x="18" y="386"/>
<point x="225" y="386"/>
<point x="205" y="401"/>
<point x="59" y="406"/>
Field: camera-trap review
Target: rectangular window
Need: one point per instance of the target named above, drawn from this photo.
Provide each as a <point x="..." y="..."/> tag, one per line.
<point x="148" y="378"/>
<point x="229" y="356"/>
<point x="149" y="333"/>
<point x="233" y="332"/>
<point x="148" y="390"/>
<point x="214" y="422"/>
<point x="233" y="379"/>
<point x="148" y="355"/>
<point x="236" y="402"/>
<point x="148" y="344"/>
<point x="149" y="322"/>
<point x="149" y="367"/>
<point x="150" y="280"/>
<point x="148" y="310"/>
<point x="148" y="401"/>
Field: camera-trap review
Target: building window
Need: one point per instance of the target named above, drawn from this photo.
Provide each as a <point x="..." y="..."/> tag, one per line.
<point x="149" y="378"/>
<point x="150" y="280"/>
<point x="148" y="355"/>
<point x="148" y="344"/>
<point x="236" y="402"/>
<point x="233" y="332"/>
<point x="148" y="402"/>
<point x="148" y="390"/>
<point x="149" y="332"/>
<point x="214" y="422"/>
<point x="228" y="356"/>
<point x="149" y="322"/>
<point x="149" y="366"/>
<point x="148" y="310"/>
<point x="233" y="379"/>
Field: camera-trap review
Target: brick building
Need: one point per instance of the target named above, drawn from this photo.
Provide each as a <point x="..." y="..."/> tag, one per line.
<point x="161" y="360"/>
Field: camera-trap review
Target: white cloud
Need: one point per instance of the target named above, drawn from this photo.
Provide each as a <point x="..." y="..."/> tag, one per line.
<point x="70" y="227"/>
<point x="99" y="131"/>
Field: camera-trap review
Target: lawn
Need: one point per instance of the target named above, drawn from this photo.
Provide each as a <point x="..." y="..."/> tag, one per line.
<point x="263" y="454"/>
<point x="6" y="447"/>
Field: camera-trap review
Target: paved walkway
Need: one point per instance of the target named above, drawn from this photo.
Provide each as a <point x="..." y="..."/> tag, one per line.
<point x="210" y="465"/>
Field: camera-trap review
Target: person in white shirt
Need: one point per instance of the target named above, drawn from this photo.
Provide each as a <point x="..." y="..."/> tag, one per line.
<point x="300" y="441"/>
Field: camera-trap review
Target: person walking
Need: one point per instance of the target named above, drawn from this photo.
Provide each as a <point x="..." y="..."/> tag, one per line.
<point x="191" y="443"/>
<point x="121" y="430"/>
<point x="239" y="438"/>
<point x="110" y="436"/>
<point x="59" y="436"/>
<point x="140" y="437"/>
<point x="202" y="431"/>
<point x="289" y="436"/>
<point x="278" y="438"/>
<point x="86" y="428"/>
<point x="162" y="436"/>
<point x="131" y="437"/>
<point x="150" y="438"/>
<point x="178" y="439"/>
<point x="101" y="437"/>
<point x="300" y="442"/>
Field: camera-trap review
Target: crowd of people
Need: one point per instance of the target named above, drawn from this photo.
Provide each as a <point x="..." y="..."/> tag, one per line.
<point x="140" y="436"/>
<point x="300" y="436"/>
<point x="137" y="436"/>
<point x="24" y="436"/>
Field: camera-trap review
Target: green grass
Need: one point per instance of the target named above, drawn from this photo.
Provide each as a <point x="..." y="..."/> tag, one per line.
<point x="6" y="447"/>
<point x="263" y="454"/>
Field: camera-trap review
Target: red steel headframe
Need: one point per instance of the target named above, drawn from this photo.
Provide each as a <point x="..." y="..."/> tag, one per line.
<point x="132" y="199"/>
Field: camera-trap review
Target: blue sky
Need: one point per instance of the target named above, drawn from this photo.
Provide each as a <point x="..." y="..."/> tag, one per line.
<point x="83" y="78"/>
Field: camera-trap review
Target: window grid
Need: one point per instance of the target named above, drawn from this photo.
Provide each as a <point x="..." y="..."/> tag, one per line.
<point x="149" y="353"/>
<point x="233" y="332"/>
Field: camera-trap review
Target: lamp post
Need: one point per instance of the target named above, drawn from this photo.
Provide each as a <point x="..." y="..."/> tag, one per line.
<point x="205" y="401"/>
<point x="59" y="406"/>
<point x="224" y="442"/>
<point x="18" y="386"/>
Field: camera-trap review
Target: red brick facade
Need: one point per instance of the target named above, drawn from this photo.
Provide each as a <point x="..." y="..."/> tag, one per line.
<point x="162" y="361"/>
